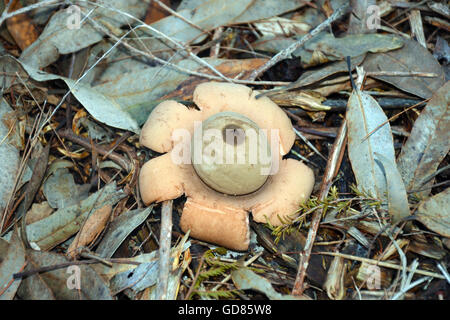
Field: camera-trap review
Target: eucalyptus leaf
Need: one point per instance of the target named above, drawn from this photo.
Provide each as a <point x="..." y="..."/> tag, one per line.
<point x="396" y="193"/>
<point x="434" y="213"/>
<point x="65" y="222"/>
<point x="9" y="159"/>
<point x="412" y="57"/>
<point x="12" y="262"/>
<point x="63" y="282"/>
<point x="61" y="191"/>
<point x="245" y="279"/>
<point x="365" y="138"/>
<point x="62" y="36"/>
<point x="325" y="47"/>
<point x="120" y="228"/>
<point x="427" y="144"/>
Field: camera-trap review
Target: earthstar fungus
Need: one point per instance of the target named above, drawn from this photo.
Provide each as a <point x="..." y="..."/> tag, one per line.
<point x="221" y="194"/>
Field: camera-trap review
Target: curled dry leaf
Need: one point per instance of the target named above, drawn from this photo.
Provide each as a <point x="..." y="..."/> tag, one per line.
<point x="396" y="193"/>
<point x="427" y="144"/>
<point x="94" y="224"/>
<point x="334" y="285"/>
<point x="61" y="36"/>
<point x="435" y="213"/>
<point x="245" y="279"/>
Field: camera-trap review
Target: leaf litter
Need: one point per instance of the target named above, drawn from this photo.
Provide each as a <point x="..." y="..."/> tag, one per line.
<point x="69" y="161"/>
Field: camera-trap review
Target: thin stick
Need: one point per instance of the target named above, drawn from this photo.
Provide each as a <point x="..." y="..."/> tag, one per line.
<point x="117" y="158"/>
<point x="286" y="53"/>
<point x="6" y="15"/>
<point x="332" y="166"/>
<point x="309" y="144"/>
<point x="179" y="16"/>
<point x="164" y="250"/>
<point x="382" y="264"/>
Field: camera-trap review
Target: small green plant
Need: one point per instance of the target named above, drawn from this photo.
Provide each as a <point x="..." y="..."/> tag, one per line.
<point x="214" y="268"/>
<point x="341" y="206"/>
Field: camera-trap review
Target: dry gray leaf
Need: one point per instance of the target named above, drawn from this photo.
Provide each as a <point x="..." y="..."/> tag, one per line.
<point x="412" y="57"/>
<point x="143" y="276"/>
<point x="59" y="38"/>
<point x="434" y="213"/>
<point x="397" y="197"/>
<point x="364" y="116"/>
<point x="61" y="191"/>
<point x="11" y="263"/>
<point x="119" y="229"/>
<point x="104" y="108"/>
<point x="427" y="144"/>
<point x="9" y="159"/>
<point x="244" y="279"/>
<point x="65" y="222"/>
<point x="206" y="16"/>
<point x="325" y="47"/>
<point x="63" y="282"/>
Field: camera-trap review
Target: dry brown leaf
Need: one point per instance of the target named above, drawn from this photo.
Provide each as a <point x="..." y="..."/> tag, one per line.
<point x="229" y="68"/>
<point x="428" y="143"/>
<point x="38" y="212"/>
<point x="155" y="12"/>
<point x="91" y="229"/>
<point x="21" y="27"/>
<point x="435" y="213"/>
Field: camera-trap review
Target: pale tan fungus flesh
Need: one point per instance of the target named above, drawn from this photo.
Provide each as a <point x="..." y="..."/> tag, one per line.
<point x="210" y="215"/>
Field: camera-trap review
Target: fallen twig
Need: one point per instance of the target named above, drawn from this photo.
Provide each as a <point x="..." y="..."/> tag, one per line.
<point x="333" y="164"/>
<point x="164" y="250"/>
<point x="286" y="53"/>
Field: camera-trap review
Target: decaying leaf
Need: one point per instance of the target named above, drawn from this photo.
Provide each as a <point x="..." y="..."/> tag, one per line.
<point x="77" y="282"/>
<point x="229" y="68"/>
<point x="9" y="159"/>
<point x="412" y="57"/>
<point x="38" y="212"/>
<point x="244" y="279"/>
<point x="65" y="222"/>
<point x="21" y="27"/>
<point x="62" y="36"/>
<point x="427" y="144"/>
<point x="94" y="224"/>
<point x="325" y="47"/>
<point x="137" y="279"/>
<point x="281" y="26"/>
<point x="120" y="228"/>
<point x="12" y="262"/>
<point x="61" y="190"/>
<point x="434" y="213"/>
<point x="365" y="138"/>
<point x="396" y="193"/>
